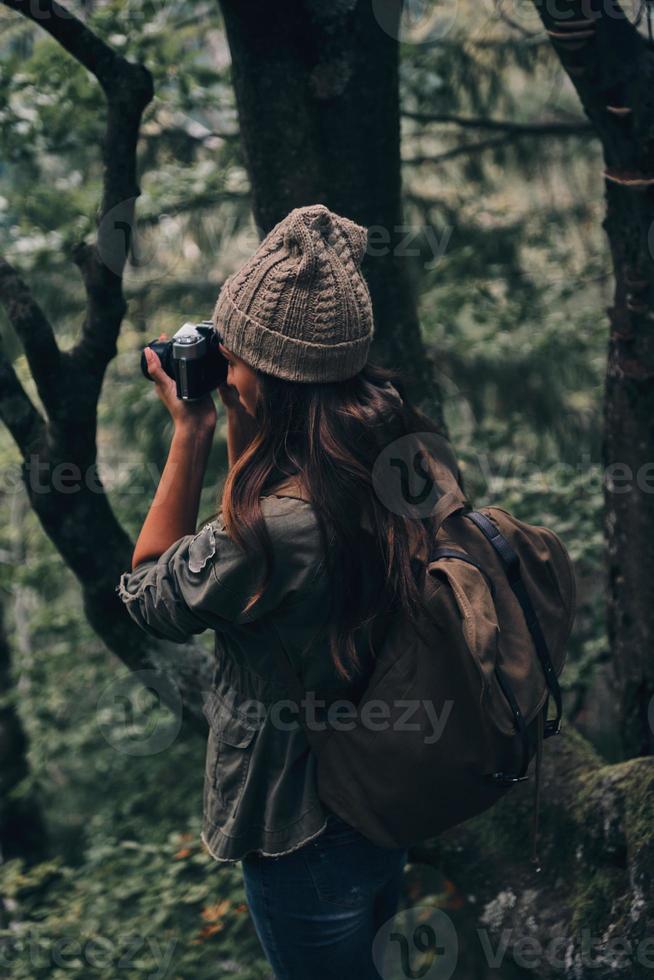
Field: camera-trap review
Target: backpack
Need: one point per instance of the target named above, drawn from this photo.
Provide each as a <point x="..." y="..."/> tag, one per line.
<point x="468" y="694"/>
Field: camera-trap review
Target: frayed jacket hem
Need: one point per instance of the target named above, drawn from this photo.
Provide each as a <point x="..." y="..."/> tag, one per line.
<point x="231" y="860"/>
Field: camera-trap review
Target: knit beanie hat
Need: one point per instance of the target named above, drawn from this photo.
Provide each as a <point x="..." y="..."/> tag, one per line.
<point x="300" y="308"/>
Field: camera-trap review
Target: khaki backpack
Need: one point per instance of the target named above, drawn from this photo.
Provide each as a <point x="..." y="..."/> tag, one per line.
<point x="501" y="598"/>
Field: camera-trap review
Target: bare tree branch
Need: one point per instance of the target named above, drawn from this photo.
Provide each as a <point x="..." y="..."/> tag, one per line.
<point x="35" y="333"/>
<point x="511" y="131"/>
<point x="128" y="89"/>
<point x="179" y="132"/>
<point x="458" y="151"/>
<point x="76" y="38"/>
<point x="545" y="128"/>
<point x="190" y="203"/>
<point x="23" y="420"/>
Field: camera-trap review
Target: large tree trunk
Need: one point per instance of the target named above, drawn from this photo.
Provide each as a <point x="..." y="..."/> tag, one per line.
<point x="612" y="68"/>
<point x="318" y="99"/>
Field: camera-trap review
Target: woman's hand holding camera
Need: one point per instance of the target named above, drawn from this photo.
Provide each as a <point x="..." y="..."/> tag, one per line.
<point x="199" y="414"/>
<point x="174" y="510"/>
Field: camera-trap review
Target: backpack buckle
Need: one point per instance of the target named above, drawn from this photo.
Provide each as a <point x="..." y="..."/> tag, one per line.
<point x="551" y="727"/>
<point x="504" y="779"/>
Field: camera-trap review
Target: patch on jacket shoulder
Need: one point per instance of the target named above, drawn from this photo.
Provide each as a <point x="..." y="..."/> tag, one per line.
<point x="201" y="548"/>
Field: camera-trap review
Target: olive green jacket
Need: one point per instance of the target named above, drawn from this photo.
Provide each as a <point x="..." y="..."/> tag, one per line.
<point x="260" y="786"/>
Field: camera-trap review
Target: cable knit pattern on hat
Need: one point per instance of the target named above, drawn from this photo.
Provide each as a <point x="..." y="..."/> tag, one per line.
<point x="300" y="307"/>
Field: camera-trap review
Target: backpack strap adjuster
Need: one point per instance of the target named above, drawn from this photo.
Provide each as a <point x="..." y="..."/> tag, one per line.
<point x="552" y="727"/>
<point x="504" y="779"/>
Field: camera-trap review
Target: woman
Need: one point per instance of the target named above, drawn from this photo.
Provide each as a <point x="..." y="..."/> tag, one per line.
<point x="300" y="562"/>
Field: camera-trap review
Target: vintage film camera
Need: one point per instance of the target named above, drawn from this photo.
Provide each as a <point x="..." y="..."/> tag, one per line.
<point x="192" y="359"/>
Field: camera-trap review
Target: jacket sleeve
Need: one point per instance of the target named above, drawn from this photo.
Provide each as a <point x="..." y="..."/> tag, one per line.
<point x="204" y="580"/>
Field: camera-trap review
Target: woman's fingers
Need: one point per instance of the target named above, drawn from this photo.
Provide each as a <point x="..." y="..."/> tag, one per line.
<point x="156" y="371"/>
<point x="154" y="363"/>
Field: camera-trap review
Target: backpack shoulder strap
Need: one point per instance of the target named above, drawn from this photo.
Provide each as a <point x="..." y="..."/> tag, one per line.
<point x="511" y="563"/>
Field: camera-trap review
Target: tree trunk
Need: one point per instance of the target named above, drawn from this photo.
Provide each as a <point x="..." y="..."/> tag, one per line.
<point x="318" y="99"/>
<point x="612" y="68"/>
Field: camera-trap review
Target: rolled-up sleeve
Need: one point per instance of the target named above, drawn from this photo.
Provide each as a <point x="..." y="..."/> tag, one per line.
<point x="204" y="580"/>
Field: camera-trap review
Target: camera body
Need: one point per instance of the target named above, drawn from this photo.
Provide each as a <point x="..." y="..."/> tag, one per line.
<point x="192" y="359"/>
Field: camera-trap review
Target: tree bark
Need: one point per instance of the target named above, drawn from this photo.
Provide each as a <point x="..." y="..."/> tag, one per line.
<point x="318" y="100"/>
<point x="612" y="68"/>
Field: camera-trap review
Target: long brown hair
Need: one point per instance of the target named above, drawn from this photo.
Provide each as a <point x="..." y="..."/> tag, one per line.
<point x="329" y="436"/>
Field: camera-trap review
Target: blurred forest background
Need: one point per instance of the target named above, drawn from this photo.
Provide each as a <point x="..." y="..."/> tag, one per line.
<point x="513" y="276"/>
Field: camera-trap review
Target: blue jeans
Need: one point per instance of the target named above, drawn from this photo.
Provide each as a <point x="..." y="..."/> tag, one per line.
<point x="316" y="910"/>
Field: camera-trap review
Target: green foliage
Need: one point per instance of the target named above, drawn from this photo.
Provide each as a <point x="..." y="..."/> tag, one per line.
<point x="52" y="117"/>
<point x="140" y="909"/>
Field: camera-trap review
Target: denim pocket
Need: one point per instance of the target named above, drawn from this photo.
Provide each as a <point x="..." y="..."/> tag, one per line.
<point x="347" y="869"/>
